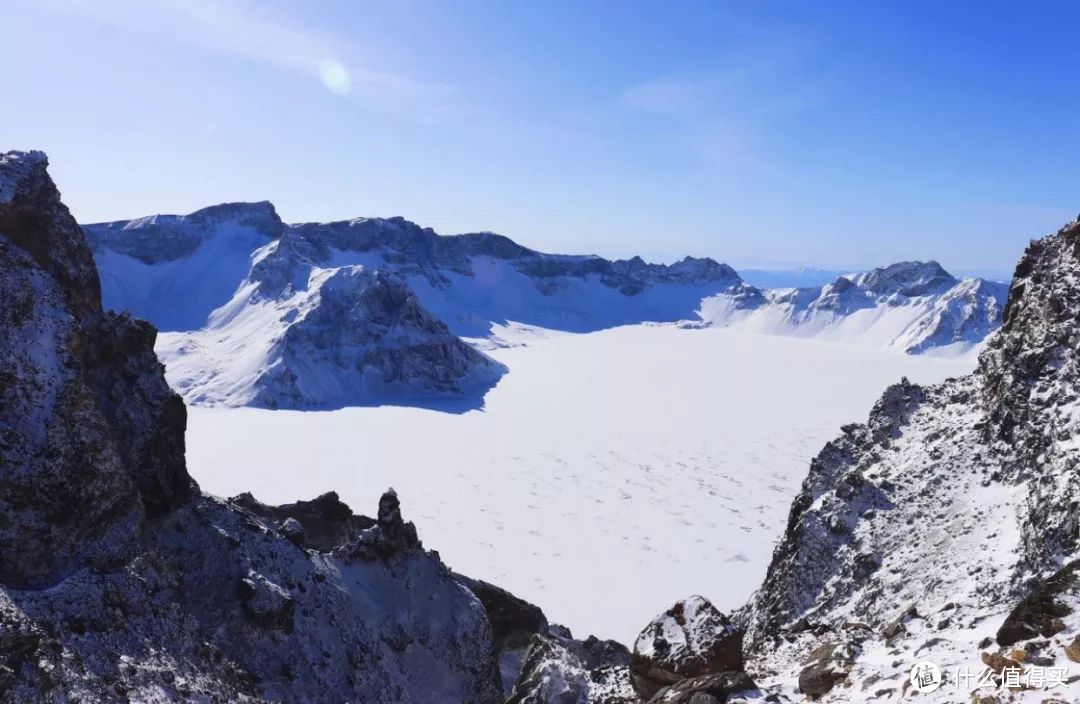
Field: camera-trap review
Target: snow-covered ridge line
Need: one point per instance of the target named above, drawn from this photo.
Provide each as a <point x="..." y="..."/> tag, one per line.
<point x="227" y="283"/>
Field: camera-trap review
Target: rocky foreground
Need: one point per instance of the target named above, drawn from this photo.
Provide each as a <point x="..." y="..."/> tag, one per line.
<point x="944" y="529"/>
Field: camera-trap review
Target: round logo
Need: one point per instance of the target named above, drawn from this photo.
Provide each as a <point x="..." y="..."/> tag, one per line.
<point x="925" y="677"/>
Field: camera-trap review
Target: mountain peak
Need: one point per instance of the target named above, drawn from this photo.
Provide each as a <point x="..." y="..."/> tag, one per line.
<point x="911" y="278"/>
<point x="15" y="167"/>
<point x="161" y="238"/>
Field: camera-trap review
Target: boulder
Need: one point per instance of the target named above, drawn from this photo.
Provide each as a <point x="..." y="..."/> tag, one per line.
<point x="824" y="667"/>
<point x="267" y="603"/>
<point x="1072" y="650"/>
<point x="558" y="669"/>
<point x="690" y="639"/>
<point x="1041" y="612"/>
<point x="706" y="689"/>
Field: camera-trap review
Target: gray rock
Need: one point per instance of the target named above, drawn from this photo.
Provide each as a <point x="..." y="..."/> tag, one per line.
<point x="690" y="639"/>
<point x="714" y="688"/>
<point x="156" y="592"/>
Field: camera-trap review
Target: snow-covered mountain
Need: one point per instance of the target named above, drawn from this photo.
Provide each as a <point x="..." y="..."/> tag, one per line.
<point x="257" y="312"/>
<point x="260" y="318"/>
<point x="916" y="307"/>
<point x="120" y="581"/>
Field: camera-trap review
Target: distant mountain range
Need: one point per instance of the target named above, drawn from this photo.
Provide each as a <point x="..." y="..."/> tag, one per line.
<point x="794" y="277"/>
<point x="255" y="311"/>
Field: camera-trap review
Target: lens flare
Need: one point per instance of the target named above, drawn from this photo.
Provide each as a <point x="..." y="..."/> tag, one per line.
<point x="334" y="76"/>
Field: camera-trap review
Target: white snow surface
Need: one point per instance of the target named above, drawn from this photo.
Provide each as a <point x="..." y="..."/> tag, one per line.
<point x="180" y="294"/>
<point x="609" y="475"/>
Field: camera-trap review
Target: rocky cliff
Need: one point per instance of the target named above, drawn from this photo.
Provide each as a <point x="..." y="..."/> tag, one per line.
<point x="120" y="581"/>
<point x="946" y="527"/>
<point x="944" y="530"/>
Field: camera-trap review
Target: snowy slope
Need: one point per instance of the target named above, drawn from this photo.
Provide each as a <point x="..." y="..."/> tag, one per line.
<point x="945" y="528"/>
<point x="915" y="307"/>
<point x="174" y="270"/>
<point x="235" y="288"/>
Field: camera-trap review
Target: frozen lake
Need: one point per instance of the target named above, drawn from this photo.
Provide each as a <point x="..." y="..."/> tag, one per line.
<point x="608" y="474"/>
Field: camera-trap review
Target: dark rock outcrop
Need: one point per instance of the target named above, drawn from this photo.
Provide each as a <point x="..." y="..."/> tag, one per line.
<point x="690" y="639"/>
<point x="1040" y="613"/>
<point x="91" y="437"/>
<point x="558" y="669"/>
<point x="514" y="622"/>
<point x="120" y="581"/>
<point x="325" y="522"/>
<point x="706" y="689"/>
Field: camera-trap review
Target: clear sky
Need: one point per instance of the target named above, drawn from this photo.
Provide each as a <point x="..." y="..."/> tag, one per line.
<point x="839" y="134"/>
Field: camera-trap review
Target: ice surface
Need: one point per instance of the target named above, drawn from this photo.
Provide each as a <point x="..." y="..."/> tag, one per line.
<point x="609" y="475"/>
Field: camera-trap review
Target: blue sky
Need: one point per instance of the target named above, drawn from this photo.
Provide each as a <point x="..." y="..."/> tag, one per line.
<point x="837" y="134"/>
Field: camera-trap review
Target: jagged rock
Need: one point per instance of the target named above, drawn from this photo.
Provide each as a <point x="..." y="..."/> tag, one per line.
<point x="120" y="581"/>
<point x="513" y="621"/>
<point x="560" y="670"/>
<point x="327" y="522"/>
<point x="706" y="689"/>
<point x="91" y="437"/>
<point x="1041" y="612"/>
<point x="267" y="603"/>
<point x="690" y="639"/>
<point x="389" y="536"/>
<point x="972" y="467"/>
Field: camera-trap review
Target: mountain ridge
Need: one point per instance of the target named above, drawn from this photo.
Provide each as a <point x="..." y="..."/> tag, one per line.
<point x="192" y="274"/>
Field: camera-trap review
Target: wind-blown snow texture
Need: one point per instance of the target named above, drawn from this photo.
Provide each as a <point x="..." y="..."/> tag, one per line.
<point x="255" y="280"/>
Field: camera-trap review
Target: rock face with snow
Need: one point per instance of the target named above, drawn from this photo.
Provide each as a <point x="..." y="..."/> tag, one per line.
<point x="296" y="330"/>
<point x="558" y="669"/>
<point x="690" y="654"/>
<point x="690" y="639"/>
<point x="120" y="581"/>
<point x="946" y="527"/>
<point x="91" y="438"/>
<point x="915" y="307"/>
